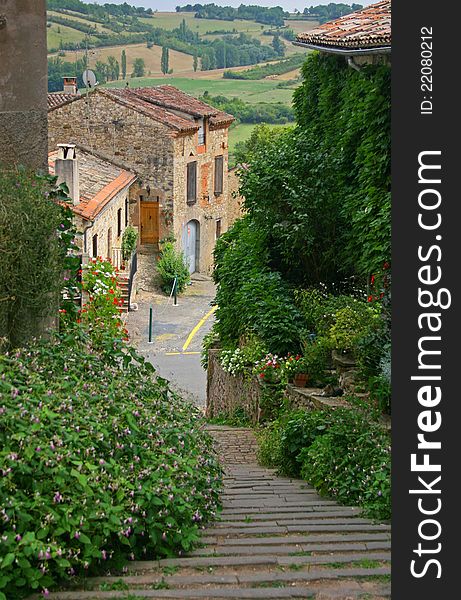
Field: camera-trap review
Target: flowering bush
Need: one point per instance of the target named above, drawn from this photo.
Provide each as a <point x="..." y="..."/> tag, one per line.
<point x="100" y="463"/>
<point x="233" y="361"/>
<point x="269" y="369"/>
<point x="101" y="314"/>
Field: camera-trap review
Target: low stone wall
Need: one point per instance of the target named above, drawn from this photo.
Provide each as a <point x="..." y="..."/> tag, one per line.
<point x="226" y="392"/>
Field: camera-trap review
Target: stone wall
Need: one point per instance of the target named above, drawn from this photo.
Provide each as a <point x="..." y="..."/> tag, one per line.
<point x="160" y="159"/>
<point x="226" y="393"/>
<point x="209" y="207"/>
<point x="138" y="142"/>
<point x="23" y="83"/>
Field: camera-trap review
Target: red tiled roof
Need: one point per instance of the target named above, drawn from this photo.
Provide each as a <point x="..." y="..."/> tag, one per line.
<point x="163" y="102"/>
<point x="56" y="99"/>
<point x="99" y="181"/>
<point x="368" y="28"/>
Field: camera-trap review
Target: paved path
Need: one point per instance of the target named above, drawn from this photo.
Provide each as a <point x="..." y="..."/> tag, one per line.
<point x="277" y="538"/>
<point x="172" y="326"/>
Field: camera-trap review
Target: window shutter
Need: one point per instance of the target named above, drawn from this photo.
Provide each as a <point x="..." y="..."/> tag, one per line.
<point x="218" y="175"/>
<point x="192" y="182"/>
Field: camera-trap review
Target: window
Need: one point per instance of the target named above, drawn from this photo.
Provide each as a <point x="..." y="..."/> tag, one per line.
<point x="201" y="132"/>
<point x="191" y="183"/>
<point x="218" y="175"/>
<point x="127" y="211"/>
<point x="95" y="245"/>
<point x="218" y="228"/>
<point x="119" y="222"/>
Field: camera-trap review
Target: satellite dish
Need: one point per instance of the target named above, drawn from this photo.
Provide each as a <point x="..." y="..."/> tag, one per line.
<point x="89" y="78"/>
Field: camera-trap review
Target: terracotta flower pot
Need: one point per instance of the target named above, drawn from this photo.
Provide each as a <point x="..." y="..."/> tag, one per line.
<point x="300" y="379"/>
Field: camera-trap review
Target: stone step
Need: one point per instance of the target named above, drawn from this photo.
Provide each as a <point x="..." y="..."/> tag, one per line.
<point x="252" y="561"/>
<point x="240" y="578"/>
<point x="293" y="539"/>
<point x="277" y="516"/>
<point x="312" y="519"/>
<point x="268" y="528"/>
<point x="294" y="549"/>
<point x="349" y="590"/>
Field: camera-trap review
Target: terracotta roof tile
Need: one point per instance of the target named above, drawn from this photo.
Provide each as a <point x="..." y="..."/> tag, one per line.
<point x="365" y="29"/>
<point x="99" y="180"/>
<point x="164" y="102"/>
<point x="56" y="99"/>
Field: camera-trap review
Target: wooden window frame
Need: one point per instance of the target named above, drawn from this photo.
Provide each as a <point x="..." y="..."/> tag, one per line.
<point x="94" y="245"/>
<point x="218" y="190"/>
<point x="119" y="222"/>
<point x="192" y="167"/>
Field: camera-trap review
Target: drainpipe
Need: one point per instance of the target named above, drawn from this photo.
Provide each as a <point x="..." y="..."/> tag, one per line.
<point x="352" y="64"/>
<point x="85" y="237"/>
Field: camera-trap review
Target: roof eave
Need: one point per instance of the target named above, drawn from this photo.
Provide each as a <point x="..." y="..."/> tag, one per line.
<point x="344" y="51"/>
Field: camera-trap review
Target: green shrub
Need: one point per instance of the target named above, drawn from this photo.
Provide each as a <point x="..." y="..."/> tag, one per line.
<point x="351" y="462"/>
<point x="129" y="239"/>
<point x="36" y="235"/>
<point x="299" y="432"/>
<point x="101" y="463"/>
<point x="269" y="445"/>
<point x="251" y="297"/>
<point x="172" y="265"/>
<point x="351" y="324"/>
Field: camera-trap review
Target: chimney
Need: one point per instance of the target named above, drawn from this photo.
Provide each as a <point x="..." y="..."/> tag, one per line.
<point x="70" y="85"/>
<point x="66" y="169"/>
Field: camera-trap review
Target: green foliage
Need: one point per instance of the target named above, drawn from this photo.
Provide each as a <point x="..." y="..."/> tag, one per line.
<point x="342" y="453"/>
<point x="262" y="112"/>
<point x="269" y="444"/>
<point x="129" y="239"/>
<point x="139" y="68"/>
<point x="210" y="340"/>
<point x="352" y="323"/>
<point x="172" y="265"/>
<point x="237" y="418"/>
<point x="250" y="297"/>
<point x="35" y="239"/>
<point x="327" y="12"/>
<point x="352" y="462"/>
<point x="261" y="72"/>
<point x="100" y="460"/>
<point x="261" y="14"/>
<point x="321" y="194"/>
<point x="165" y="60"/>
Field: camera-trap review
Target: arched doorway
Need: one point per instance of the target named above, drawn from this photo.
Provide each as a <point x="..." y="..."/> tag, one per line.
<point x="191" y="245"/>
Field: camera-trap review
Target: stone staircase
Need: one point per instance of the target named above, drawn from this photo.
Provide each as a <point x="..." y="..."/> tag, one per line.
<point x="123" y="284"/>
<point x="276" y="538"/>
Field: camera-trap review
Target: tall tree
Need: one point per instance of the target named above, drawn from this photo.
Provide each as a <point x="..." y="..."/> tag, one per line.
<point x="278" y="45"/>
<point x="139" y="68"/>
<point x="165" y="60"/>
<point x="195" y="61"/>
<point x="113" y="68"/>
<point x="123" y="64"/>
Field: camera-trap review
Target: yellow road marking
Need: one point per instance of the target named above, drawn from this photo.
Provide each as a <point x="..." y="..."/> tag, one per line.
<point x="197" y="327"/>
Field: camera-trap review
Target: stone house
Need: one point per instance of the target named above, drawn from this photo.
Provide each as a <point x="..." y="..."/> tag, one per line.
<point x="178" y="147"/>
<point x="100" y="192"/>
<point x="362" y="37"/>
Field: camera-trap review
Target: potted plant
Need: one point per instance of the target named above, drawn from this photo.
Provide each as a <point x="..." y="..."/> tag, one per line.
<point x="297" y="370"/>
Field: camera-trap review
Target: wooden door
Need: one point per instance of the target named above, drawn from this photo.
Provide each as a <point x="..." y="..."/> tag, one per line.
<point x="149" y="223"/>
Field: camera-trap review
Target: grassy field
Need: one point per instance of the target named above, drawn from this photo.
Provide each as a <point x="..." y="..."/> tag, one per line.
<point x="249" y="91"/>
<point x="56" y="32"/>
<point x="172" y="20"/>
<point x="180" y="63"/>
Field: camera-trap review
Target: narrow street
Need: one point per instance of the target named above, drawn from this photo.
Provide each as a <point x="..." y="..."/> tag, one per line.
<point x="177" y="335"/>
